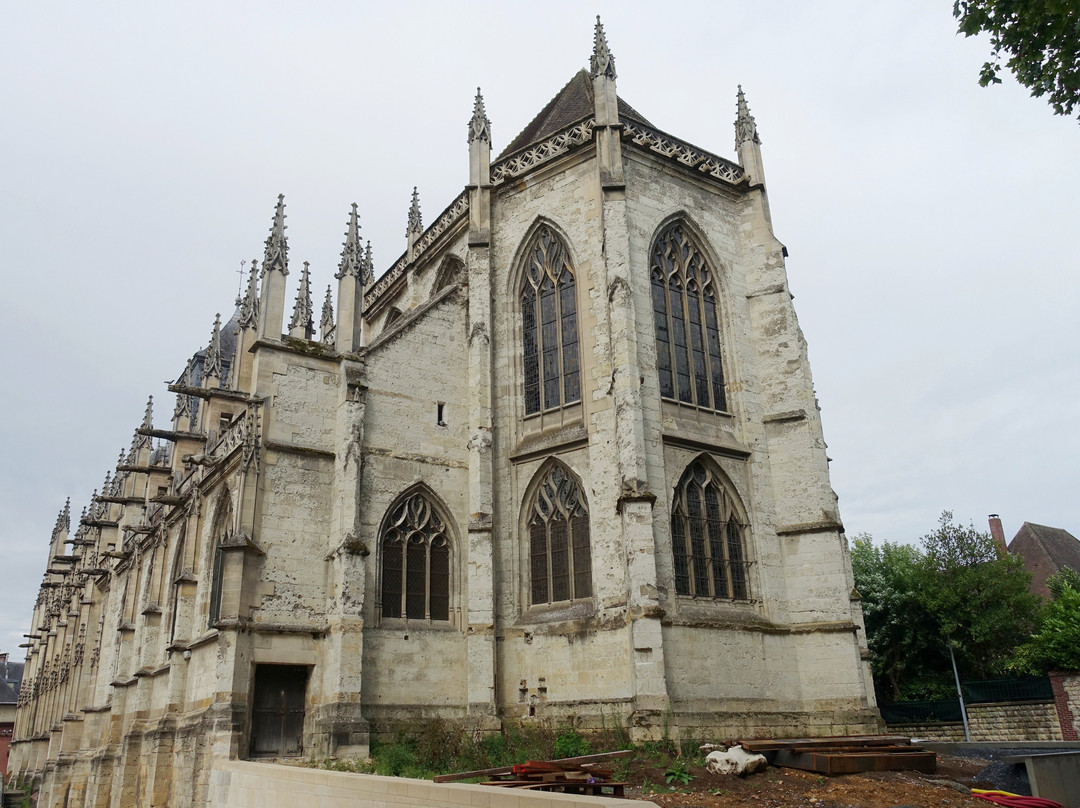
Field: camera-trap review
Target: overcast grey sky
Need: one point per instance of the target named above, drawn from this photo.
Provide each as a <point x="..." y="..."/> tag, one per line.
<point x="932" y="224"/>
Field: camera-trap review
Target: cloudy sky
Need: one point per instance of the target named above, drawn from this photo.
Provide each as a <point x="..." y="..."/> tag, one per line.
<point x="932" y="224"/>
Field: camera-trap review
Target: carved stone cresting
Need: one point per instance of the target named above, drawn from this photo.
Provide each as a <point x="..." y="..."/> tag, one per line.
<point x="449" y="217"/>
<point x="683" y="152"/>
<point x="526" y="159"/>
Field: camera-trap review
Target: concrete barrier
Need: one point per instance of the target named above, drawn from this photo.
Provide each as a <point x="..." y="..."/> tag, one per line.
<point x="247" y="784"/>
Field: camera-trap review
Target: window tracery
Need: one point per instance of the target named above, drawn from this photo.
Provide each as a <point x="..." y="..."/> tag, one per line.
<point x="552" y="376"/>
<point x="687" y="322"/>
<point x="415" y="562"/>
<point x="707" y="538"/>
<point x="560" y="555"/>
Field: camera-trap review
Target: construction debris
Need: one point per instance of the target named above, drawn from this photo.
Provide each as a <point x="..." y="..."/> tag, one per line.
<point x="735" y="760"/>
<point x="845" y="754"/>
<point x="578" y="775"/>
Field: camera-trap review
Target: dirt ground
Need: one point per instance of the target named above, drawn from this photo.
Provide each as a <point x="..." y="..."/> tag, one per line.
<point x="790" y="788"/>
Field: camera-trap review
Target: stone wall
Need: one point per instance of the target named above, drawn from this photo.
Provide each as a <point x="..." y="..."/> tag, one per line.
<point x="998" y="721"/>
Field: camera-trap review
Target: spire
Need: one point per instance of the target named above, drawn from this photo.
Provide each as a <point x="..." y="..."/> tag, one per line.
<point x="416" y="226"/>
<point x="63" y="519"/>
<point x="301" y="325"/>
<point x="479" y="126"/>
<point x="352" y="256"/>
<point x="745" y="127"/>
<point x="276" y="256"/>
<point x="369" y="267"/>
<point x="603" y="60"/>
<point x="148" y="415"/>
<point x="249" y="306"/>
<point x="142" y="441"/>
<point x="212" y="365"/>
<point x="326" y="322"/>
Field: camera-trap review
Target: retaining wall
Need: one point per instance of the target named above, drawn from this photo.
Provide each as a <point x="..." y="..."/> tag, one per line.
<point x="245" y="784"/>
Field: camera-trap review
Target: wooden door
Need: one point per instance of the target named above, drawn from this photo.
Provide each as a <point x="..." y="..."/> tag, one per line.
<point x="277" y="715"/>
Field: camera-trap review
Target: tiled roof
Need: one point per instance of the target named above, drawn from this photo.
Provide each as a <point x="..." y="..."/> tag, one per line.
<point x="571" y="104"/>
<point x="1057" y="545"/>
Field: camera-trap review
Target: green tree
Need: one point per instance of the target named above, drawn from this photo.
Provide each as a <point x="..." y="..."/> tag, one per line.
<point x="906" y="654"/>
<point x="981" y="600"/>
<point x="1056" y="645"/>
<point x="1039" y="38"/>
<point x="954" y="585"/>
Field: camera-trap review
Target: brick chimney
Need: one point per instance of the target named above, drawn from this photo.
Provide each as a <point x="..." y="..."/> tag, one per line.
<point x="999" y="535"/>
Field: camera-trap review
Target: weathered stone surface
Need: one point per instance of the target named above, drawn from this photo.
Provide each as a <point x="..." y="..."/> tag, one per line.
<point x="735" y="760"/>
<point x="274" y="553"/>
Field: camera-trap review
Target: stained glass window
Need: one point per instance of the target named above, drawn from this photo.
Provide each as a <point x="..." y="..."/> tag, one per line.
<point x="560" y="557"/>
<point x="415" y="562"/>
<point x="685" y="315"/>
<point x="707" y="538"/>
<point x="552" y="375"/>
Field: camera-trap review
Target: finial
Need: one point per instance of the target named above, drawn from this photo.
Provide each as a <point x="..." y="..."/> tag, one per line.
<point x="148" y="416"/>
<point x="63" y="519"/>
<point x="415" y="226"/>
<point x="326" y="322"/>
<point x="479" y="126"/>
<point x="249" y="306"/>
<point x="352" y="256"/>
<point x="276" y="256"/>
<point x="368" y="277"/>
<point x="745" y="127"/>
<point x="302" y="316"/>
<point x="212" y="365"/>
<point x="603" y="60"/>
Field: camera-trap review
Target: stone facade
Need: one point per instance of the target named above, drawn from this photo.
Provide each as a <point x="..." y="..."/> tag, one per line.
<point x="562" y="462"/>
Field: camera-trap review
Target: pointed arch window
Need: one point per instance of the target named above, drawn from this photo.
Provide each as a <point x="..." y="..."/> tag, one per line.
<point x="415" y="562"/>
<point x="707" y="538"/>
<point x="549" y="325"/>
<point x="687" y="322"/>
<point x="560" y="555"/>
<point x="222" y="521"/>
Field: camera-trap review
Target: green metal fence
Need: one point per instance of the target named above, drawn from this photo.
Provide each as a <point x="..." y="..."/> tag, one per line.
<point x="984" y="691"/>
<point x="989" y="690"/>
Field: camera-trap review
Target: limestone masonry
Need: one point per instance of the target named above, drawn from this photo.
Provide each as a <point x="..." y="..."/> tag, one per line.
<point x="561" y="463"/>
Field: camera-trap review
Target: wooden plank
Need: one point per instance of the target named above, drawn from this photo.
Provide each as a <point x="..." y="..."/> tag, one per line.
<point x="770" y="744"/>
<point x="449" y="778"/>
<point x="561" y="763"/>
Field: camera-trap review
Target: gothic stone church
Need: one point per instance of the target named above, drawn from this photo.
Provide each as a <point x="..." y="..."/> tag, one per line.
<point x="561" y="463"/>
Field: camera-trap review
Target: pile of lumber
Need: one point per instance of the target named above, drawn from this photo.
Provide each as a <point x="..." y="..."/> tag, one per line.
<point x="845" y="754"/>
<point x="579" y="775"/>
